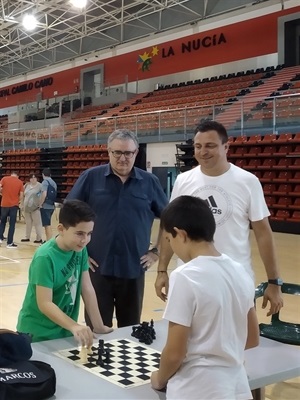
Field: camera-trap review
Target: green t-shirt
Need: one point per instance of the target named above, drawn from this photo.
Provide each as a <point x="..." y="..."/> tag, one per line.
<point x="60" y="271"/>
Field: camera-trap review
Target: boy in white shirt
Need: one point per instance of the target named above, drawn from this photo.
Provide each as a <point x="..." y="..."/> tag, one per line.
<point x="210" y="310"/>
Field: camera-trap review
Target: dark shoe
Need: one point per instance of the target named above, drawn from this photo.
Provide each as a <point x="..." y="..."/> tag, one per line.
<point x="11" y="246"/>
<point x="25" y="240"/>
<point x="38" y="241"/>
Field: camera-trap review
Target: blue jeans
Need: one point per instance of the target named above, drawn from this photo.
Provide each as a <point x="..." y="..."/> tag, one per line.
<point x="10" y="212"/>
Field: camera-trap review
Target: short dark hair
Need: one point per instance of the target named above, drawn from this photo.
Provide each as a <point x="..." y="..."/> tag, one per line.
<point x="190" y="214"/>
<point x="209" y="125"/>
<point x="46" y="172"/>
<point x="75" y="211"/>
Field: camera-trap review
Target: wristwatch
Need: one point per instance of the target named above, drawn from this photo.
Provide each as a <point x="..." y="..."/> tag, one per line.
<point x="278" y="281"/>
<point x="155" y="251"/>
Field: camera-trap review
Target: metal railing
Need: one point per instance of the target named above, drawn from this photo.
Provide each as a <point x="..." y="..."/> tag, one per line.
<point x="242" y="117"/>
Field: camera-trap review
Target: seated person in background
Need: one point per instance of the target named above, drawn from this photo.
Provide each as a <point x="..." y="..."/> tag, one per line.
<point x="210" y="310"/>
<point x="58" y="275"/>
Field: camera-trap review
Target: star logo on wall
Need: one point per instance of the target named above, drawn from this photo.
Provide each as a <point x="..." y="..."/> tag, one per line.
<point x="145" y="60"/>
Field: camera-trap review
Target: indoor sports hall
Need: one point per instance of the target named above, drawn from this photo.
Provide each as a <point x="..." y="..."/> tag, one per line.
<point x="78" y="71"/>
<point x="14" y="265"/>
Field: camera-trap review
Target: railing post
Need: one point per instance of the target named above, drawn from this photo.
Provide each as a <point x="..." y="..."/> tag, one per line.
<point x="274" y="116"/>
<point x="242" y="118"/>
<point x="159" y="127"/>
<point x="96" y="133"/>
<point x="136" y="124"/>
<point x="184" y="124"/>
<point x="49" y="132"/>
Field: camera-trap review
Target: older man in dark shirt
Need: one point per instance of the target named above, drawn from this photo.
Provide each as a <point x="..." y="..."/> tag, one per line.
<point x="126" y="200"/>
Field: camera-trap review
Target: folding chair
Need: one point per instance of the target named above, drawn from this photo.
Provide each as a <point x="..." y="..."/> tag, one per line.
<point x="281" y="331"/>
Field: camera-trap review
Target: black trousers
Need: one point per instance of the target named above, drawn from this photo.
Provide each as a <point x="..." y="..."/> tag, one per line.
<point x="125" y="296"/>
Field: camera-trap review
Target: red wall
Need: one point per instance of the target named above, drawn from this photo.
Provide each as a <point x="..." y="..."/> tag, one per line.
<point x="241" y="40"/>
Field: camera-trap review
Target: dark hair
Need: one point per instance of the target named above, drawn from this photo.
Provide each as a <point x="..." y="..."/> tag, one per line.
<point x="208" y="125"/>
<point x="75" y="211"/>
<point x="32" y="175"/>
<point x="46" y="172"/>
<point x="190" y="214"/>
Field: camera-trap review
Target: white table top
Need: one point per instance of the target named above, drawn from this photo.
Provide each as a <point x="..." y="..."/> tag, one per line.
<point x="269" y="363"/>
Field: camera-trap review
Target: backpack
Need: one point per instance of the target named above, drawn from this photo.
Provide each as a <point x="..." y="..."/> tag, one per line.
<point x="27" y="380"/>
<point x="21" y="378"/>
<point x="51" y="195"/>
<point x="31" y="200"/>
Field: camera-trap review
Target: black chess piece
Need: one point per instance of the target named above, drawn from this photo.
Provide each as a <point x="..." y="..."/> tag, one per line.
<point x="107" y="356"/>
<point x="101" y="345"/>
<point x="136" y="331"/>
<point x="152" y="330"/>
<point x="145" y="332"/>
<point x="99" y="360"/>
<point x="148" y="339"/>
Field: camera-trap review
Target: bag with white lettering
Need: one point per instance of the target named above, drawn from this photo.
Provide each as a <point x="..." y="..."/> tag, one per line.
<point x="21" y="379"/>
<point x="27" y="380"/>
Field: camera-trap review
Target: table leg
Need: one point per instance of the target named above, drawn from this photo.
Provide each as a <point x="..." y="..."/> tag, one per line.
<point x="258" y="394"/>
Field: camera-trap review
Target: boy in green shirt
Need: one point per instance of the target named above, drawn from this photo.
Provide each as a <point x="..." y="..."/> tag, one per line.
<point x="58" y="275"/>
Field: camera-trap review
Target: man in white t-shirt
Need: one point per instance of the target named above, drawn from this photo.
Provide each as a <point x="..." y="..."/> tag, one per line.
<point x="236" y="198"/>
<point x="210" y="310"/>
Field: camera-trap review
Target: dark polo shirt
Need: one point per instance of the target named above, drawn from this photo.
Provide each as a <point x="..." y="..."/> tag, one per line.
<point x="125" y="214"/>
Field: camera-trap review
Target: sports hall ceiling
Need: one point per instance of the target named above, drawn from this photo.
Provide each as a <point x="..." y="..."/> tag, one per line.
<point x="64" y="32"/>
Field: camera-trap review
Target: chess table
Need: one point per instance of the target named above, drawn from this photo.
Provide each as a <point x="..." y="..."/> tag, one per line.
<point x="269" y="363"/>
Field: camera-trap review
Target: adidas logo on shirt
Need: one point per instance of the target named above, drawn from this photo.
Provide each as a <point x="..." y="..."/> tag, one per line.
<point x="213" y="205"/>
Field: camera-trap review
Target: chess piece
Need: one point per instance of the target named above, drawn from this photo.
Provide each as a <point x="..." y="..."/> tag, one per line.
<point x="99" y="360"/>
<point x="101" y="346"/>
<point x="144" y="332"/>
<point x="107" y="356"/>
<point x="152" y="330"/>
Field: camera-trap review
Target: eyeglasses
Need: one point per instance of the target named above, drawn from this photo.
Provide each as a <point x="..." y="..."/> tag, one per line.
<point x="119" y="153"/>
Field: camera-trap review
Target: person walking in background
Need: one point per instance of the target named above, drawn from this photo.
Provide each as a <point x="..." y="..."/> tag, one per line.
<point x="12" y="194"/>
<point x="236" y="199"/>
<point x="31" y="206"/>
<point x="47" y="200"/>
<point x="126" y="200"/>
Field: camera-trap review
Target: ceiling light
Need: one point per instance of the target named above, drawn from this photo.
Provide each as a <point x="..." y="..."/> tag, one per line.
<point x="29" y="22"/>
<point x="78" y="3"/>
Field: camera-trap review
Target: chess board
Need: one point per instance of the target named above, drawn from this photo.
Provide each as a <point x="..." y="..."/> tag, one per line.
<point x="130" y="365"/>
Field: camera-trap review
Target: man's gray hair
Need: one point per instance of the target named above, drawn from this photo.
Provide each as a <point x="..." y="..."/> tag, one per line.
<point x="123" y="134"/>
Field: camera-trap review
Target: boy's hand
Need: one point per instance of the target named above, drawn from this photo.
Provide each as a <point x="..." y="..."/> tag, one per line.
<point x="162" y="282"/>
<point x="93" y="264"/>
<point x="104" y="329"/>
<point x="83" y="335"/>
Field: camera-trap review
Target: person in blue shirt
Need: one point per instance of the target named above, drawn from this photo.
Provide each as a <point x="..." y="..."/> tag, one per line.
<point x="126" y="200"/>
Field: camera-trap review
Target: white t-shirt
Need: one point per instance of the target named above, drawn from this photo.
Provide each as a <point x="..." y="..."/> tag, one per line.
<point x="235" y="198"/>
<point x="212" y="295"/>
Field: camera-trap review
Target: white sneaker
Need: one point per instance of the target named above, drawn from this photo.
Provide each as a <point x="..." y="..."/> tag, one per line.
<point x="11" y="246"/>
